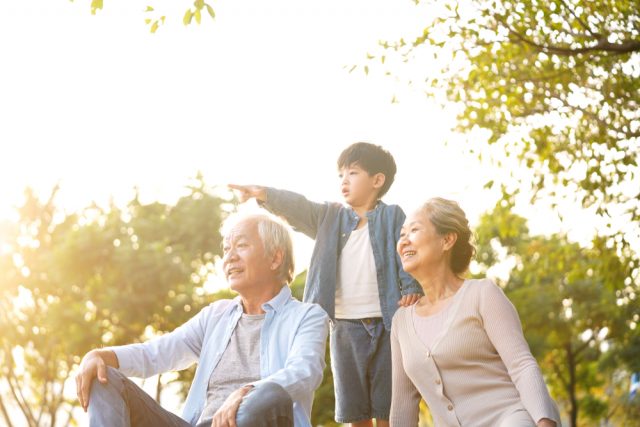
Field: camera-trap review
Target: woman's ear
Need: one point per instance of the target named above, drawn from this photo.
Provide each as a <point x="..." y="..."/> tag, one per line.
<point x="449" y="241"/>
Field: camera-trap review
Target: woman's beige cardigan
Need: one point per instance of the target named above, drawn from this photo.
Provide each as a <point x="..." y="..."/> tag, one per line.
<point x="479" y="369"/>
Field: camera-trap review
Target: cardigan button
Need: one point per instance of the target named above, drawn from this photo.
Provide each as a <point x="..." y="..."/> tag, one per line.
<point x="450" y="407"/>
<point x="438" y="381"/>
<point x="428" y="354"/>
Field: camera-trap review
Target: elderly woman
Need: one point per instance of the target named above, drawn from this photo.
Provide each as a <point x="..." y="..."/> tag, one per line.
<point x="460" y="347"/>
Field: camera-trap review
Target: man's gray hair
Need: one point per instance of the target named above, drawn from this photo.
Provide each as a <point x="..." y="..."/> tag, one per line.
<point x="274" y="234"/>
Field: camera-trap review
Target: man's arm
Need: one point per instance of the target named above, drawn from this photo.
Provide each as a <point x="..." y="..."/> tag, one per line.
<point x="302" y="214"/>
<point x="173" y="351"/>
<point x="94" y="364"/>
<point x="304" y="366"/>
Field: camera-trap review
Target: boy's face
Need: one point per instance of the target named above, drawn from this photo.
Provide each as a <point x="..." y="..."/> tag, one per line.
<point x="358" y="187"/>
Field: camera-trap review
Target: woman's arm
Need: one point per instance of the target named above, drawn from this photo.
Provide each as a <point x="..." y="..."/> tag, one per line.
<point x="405" y="399"/>
<point x="502" y="324"/>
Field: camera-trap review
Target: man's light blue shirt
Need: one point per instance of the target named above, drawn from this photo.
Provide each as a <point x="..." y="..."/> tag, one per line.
<point x="292" y="349"/>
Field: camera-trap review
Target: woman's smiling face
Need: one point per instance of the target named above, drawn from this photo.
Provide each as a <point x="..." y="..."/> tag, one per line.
<point x="420" y="246"/>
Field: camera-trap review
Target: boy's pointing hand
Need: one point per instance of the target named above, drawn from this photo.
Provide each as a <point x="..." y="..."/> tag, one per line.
<point x="246" y="192"/>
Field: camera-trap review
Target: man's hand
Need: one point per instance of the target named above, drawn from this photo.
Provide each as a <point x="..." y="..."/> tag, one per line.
<point x="226" y="415"/>
<point x="409" y="299"/>
<point x="94" y="364"/>
<point x="247" y="192"/>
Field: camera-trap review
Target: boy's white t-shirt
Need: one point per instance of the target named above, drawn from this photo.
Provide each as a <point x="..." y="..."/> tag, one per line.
<point x="357" y="295"/>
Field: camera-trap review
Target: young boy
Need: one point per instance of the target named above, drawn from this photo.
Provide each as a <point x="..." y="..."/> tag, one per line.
<point x="355" y="275"/>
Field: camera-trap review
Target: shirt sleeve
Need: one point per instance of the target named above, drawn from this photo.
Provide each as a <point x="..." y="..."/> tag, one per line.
<point x="303" y="215"/>
<point x="502" y="324"/>
<point x="408" y="285"/>
<point x="405" y="398"/>
<point x="304" y="365"/>
<point x="174" y="351"/>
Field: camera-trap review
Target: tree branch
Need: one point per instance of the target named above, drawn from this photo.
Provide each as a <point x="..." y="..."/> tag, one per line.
<point x="558" y="372"/>
<point x="603" y="45"/>
<point x="5" y="413"/>
<point x="18" y="395"/>
<point x="24" y="406"/>
<point x="580" y="21"/>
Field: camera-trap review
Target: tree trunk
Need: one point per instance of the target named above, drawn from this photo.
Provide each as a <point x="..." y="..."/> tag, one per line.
<point x="573" y="410"/>
<point x="158" y="388"/>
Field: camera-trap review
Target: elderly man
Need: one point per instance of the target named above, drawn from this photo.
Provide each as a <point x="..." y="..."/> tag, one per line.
<point x="260" y="356"/>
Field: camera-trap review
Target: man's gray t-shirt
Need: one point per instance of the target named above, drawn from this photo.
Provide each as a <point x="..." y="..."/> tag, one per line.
<point x="239" y="365"/>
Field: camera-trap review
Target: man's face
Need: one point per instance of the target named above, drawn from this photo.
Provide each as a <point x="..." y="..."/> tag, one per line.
<point x="244" y="261"/>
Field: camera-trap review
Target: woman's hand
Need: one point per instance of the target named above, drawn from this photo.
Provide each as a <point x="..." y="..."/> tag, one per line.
<point x="546" y="422"/>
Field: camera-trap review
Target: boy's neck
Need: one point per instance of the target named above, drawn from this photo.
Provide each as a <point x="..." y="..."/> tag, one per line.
<point x="362" y="210"/>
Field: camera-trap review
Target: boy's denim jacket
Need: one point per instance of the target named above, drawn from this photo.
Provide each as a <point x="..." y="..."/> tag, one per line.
<point x="330" y="224"/>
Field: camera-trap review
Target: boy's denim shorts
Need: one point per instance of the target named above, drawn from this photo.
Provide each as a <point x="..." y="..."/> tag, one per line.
<point x="361" y="365"/>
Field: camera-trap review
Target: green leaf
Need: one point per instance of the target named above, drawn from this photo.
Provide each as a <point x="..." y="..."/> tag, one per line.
<point x="149" y="9"/>
<point x="210" y="10"/>
<point x="154" y="27"/>
<point x="95" y="5"/>
<point x="198" y="16"/>
<point x="186" y="20"/>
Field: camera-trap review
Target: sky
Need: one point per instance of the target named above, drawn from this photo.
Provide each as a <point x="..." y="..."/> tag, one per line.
<point x="262" y="95"/>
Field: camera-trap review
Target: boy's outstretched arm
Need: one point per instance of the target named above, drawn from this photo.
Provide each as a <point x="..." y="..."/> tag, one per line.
<point x="247" y="192"/>
<point x="302" y="214"/>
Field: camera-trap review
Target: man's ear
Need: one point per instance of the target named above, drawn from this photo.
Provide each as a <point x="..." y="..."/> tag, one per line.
<point x="276" y="260"/>
<point x="449" y="240"/>
<point x="378" y="180"/>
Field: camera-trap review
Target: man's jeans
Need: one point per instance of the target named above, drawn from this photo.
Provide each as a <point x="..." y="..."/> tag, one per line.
<point x="121" y="403"/>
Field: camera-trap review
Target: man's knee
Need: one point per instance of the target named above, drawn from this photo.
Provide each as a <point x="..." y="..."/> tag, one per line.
<point x="113" y="386"/>
<point x="267" y="405"/>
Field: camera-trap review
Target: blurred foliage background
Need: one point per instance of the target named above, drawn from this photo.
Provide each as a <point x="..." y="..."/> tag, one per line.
<point x="552" y="86"/>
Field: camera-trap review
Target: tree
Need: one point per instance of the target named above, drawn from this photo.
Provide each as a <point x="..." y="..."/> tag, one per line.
<point x="576" y="306"/>
<point x="99" y="277"/>
<point x="555" y="83"/>
<point x="154" y="19"/>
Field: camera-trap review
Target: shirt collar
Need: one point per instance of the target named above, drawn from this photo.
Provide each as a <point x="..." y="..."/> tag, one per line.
<point x="376" y="208"/>
<point x="275" y="303"/>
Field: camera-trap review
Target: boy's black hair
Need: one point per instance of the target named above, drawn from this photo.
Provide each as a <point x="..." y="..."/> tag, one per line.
<point x="373" y="159"/>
